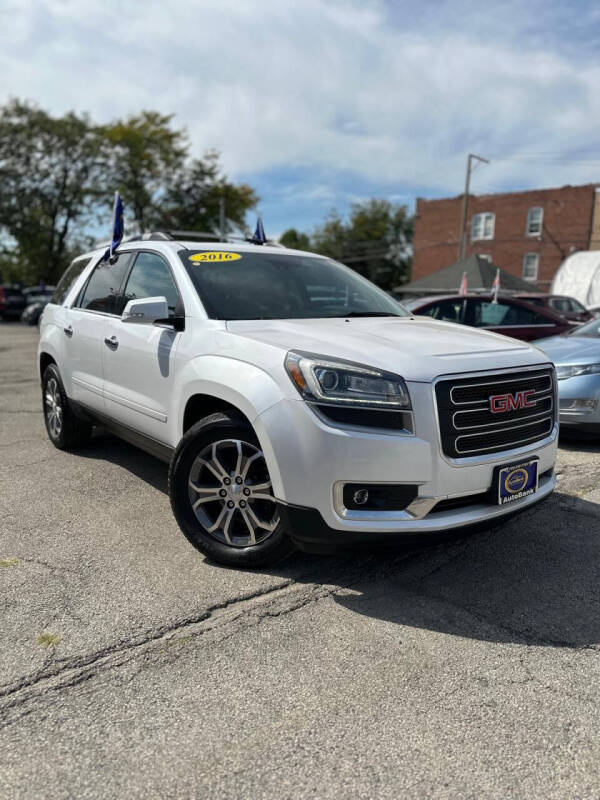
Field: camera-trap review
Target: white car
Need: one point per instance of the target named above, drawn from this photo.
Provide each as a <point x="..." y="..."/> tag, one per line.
<point x="297" y="404"/>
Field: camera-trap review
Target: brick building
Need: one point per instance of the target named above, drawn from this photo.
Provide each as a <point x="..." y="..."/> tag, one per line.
<point x="528" y="233"/>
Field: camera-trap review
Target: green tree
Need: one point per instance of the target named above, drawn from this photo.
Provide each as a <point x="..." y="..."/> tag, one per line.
<point x="376" y="241"/>
<point x="295" y="239"/>
<point x="146" y="154"/>
<point x="192" y="200"/>
<point x="52" y="172"/>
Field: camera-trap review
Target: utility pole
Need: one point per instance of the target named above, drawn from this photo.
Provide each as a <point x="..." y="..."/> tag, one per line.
<point x="462" y="250"/>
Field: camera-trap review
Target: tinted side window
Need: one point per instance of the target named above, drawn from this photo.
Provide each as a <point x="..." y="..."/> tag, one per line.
<point x="446" y="310"/>
<point x="576" y="306"/>
<point x="150" y="277"/>
<point x="561" y="304"/>
<point x="70" y="275"/>
<point x="495" y="314"/>
<point x="102" y="289"/>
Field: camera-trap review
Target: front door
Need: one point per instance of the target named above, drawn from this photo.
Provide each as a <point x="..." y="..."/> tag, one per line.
<point x="139" y="359"/>
<point x="84" y="327"/>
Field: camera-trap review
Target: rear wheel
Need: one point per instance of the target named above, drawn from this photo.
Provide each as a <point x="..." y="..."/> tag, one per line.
<point x="65" y="430"/>
<point x="222" y="496"/>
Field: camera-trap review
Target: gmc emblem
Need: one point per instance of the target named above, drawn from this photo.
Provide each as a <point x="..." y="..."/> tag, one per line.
<point x="502" y="403"/>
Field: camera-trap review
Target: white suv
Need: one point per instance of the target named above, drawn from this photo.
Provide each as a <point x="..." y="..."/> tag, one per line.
<point x="297" y="404"/>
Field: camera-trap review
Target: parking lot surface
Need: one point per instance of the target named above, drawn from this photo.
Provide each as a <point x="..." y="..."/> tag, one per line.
<point x="132" y="667"/>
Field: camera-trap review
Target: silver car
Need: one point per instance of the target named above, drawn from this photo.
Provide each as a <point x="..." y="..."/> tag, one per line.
<point x="577" y="359"/>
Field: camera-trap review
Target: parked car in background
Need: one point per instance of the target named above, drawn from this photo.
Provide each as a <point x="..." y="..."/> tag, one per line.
<point x="577" y="359"/>
<point x="36" y="303"/>
<point x="12" y="301"/>
<point x="567" y="307"/>
<point x="509" y="316"/>
<point x="41" y="288"/>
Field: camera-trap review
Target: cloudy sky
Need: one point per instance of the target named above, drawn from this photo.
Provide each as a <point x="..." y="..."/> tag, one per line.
<point x="318" y="103"/>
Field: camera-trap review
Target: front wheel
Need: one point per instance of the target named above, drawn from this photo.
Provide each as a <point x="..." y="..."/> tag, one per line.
<point x="222" y="496"/>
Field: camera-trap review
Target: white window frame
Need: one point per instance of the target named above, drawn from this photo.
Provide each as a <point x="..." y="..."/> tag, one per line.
<point x="530" y="213"/>
<point x="485" y="256"/>
<point x="535" y="262"/>
<point x="479" y="223"/>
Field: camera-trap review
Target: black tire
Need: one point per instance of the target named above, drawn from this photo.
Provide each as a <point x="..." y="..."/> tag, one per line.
<point x="223" y="429"/>
<point x="72" y="432"/>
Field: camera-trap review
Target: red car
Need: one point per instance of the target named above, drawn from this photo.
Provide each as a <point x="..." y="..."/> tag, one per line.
<point x="509" y="316"/>
<point x="567" y="307"/>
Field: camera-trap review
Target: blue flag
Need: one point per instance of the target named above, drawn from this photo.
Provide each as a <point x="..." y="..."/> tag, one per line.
<point x="117" y="231"/>
<point x="259" y="234"/>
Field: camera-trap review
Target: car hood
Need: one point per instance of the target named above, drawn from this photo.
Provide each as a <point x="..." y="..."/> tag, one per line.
<point x="417" y="348"/>
<point x="571" y="349"/>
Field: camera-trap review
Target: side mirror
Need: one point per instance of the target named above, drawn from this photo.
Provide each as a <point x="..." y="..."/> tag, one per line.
<point x="146" y="310"/>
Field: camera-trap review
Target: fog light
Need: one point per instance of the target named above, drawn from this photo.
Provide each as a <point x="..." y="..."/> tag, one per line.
<point x="361" y="497"/>
<point x="377" y="496"/>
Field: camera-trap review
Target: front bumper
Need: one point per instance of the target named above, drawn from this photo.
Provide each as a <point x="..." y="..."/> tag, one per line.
<point x="310" y="532"/>
<point x="308" y="459"/>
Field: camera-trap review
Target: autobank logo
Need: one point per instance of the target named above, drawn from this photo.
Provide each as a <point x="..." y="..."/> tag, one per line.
<point x="516" y="480"/>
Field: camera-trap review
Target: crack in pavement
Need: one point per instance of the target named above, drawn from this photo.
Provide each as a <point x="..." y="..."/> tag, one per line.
<point x="95" y="658"/>
<point x="222" y="616"/>
<point x="285" y="597"/>
<point x="246" y="610"/>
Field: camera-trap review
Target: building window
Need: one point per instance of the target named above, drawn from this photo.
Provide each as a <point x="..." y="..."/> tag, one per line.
<point x="486" y="257"/>
<point x="535" y="218"/>
<point x="531" y="262"/>
<point x="482" y="226"/>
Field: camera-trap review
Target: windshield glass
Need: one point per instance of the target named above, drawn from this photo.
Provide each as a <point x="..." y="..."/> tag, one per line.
<point x="589" y="329"/>
<point x="241" y="285"/>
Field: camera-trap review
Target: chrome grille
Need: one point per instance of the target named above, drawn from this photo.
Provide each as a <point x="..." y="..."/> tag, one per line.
<point x="468" y="427"/>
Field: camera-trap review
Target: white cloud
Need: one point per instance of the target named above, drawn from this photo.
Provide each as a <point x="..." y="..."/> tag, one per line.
<point x="332" y="85"/>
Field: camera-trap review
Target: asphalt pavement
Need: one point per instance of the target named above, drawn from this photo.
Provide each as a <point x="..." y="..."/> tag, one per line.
<point x="132" y="667"/>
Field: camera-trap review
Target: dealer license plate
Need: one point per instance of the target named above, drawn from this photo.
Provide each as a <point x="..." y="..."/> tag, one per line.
<point x="517" y="481"/>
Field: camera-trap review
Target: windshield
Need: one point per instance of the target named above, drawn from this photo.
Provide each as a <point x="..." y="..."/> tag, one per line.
<point x="241" y="285"/>
<point x="589" y="329"/>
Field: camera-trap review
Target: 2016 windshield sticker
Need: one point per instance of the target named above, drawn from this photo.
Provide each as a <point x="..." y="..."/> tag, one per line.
<point x="215" y="255"/>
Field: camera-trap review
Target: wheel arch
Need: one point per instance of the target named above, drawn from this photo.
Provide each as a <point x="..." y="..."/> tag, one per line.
<point x="202" y="405"/>
<point x="223" y="384"/>
<point x="45" y="359"/>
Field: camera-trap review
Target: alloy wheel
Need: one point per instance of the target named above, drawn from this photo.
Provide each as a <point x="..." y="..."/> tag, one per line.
<point x="231" y="493"/>
<point x="53" y="407"/>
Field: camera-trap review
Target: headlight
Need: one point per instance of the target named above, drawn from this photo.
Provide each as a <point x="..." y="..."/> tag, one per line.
<point x="571" y="370"/>
<point x="344" y="383"/>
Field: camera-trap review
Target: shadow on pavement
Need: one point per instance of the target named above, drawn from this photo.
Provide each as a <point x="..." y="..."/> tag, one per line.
<point x="106" y="447"/>
<point x="533" y="579"/>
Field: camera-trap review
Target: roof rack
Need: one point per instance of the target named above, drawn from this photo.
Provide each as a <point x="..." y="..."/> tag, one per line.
<point x="173" y="235"/>
<point x="170" y="235"/>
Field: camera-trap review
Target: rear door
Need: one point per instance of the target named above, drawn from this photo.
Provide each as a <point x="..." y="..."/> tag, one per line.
<point x="84" y="330"/>
<point x="139" y="364"/>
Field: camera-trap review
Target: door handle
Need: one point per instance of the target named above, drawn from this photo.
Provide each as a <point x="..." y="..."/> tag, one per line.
<point x="68" y="331"/>
<point x="113" y="342"/>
